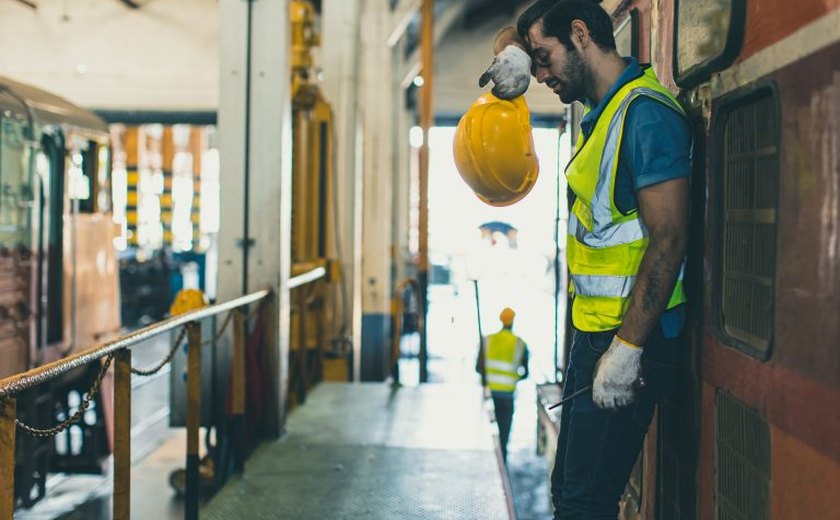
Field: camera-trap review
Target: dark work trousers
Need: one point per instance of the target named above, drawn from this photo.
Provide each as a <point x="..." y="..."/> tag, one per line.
<point x="596" y="449"/>
<point x="503" y="406"/>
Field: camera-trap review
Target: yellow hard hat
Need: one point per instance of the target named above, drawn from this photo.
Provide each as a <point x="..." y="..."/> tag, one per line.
<point x="507" y="316"/>
<point x="494" y="150"/>
<point x="187" y="300"/>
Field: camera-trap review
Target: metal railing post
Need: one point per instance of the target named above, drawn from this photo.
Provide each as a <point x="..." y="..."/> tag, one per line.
<point x="238" y="397"/>
<point x="122" y="435"/>
<point x="7" y="459"/>
<point x="302" y="352"/>
<point x="193" y="419"/>
<point x="278" y="371"/>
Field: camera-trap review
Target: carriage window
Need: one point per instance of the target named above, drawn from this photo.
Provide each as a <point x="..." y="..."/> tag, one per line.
<point x="749" y="195"/>
<point x="15" y="188"/>
<point x="103" y="183"/>
<point x="707" y="37"/>
<point x="78" y="182"/>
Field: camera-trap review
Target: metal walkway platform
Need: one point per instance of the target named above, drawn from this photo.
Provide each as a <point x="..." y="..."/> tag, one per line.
<point x="367" y="451"/>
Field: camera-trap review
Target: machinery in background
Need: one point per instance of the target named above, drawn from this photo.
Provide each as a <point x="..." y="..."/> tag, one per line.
<point x="59" y="290"/>
<point x="318" y="349"/>
<point x="161" y="176"/>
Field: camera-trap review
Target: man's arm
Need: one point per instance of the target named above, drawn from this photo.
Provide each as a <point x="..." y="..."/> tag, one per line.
<point x="508" y="36"/>
<point x="664" y="209"/>
<point x="510" y="71"/>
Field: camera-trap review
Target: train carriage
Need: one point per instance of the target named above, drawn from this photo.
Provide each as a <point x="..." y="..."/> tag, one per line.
<point x="59" y="277"/>
<point x="751" y="432"/>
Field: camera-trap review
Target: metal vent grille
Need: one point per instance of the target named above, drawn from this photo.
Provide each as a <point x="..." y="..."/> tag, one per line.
<point x="742" y="482"/>
<point x="750" y="194"/>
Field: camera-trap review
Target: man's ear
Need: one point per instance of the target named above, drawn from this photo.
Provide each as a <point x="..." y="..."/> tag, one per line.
<point x="579" y="34"/>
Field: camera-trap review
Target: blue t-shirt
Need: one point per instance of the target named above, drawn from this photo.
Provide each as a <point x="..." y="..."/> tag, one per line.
<point x="655" y="147"/>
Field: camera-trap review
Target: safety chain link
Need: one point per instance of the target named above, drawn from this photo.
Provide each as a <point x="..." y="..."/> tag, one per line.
<point x="94" y="389"/>
<point x="216" y="337"/>
<point x="167" y="359"/>
<point x="85" y="404"/>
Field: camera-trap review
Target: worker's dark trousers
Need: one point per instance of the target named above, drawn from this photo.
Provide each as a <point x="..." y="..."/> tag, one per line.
<point x="503" y="406"/>
<point x="596" y="448"/>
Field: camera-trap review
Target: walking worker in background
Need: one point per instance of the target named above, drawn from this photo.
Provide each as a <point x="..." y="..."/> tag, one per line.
<point x="502" y="362"/>
<point x="627" y="234"/>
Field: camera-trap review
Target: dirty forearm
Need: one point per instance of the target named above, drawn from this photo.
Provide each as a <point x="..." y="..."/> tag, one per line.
<point x="508" y="36"/>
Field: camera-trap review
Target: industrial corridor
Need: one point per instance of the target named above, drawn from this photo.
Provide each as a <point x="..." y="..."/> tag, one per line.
<point x="419" y="259"/>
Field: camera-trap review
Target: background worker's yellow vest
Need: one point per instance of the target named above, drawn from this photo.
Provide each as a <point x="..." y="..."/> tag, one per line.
<point x="605" y="247"/>
<point x="502" y="358"/>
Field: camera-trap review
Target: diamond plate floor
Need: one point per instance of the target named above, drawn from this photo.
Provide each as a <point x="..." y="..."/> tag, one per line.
<point x="366" y="451"/>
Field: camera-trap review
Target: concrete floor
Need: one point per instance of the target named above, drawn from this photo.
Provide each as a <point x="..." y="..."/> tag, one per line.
<point x="157" y="450"/>
<point x="375" y="452"/>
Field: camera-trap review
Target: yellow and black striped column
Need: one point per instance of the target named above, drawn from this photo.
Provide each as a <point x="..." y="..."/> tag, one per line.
<point x="197" y="146"/>
<point x="132" y="181"/>
<point x="168" y="156"/>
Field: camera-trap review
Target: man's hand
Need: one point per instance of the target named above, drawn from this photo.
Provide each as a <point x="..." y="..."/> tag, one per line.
<point x="510" y="72"/>
<point x="616" y="374"/>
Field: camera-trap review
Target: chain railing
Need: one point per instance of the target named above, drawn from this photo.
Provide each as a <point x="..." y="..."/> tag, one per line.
<point x="118" y="353"/>
<point x="73" y="419"/>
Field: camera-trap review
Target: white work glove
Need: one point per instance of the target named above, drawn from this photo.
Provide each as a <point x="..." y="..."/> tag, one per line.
<point x="510" y="72"/>
<point x="617" y="374"/>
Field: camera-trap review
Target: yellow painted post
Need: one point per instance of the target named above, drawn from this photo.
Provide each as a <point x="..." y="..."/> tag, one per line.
<point x="238" y="397"/>
<point x="193" y="419"/>
<point x="7" y="459"/>
<point x="122" y="435"/>
<point x="427" y="50"/>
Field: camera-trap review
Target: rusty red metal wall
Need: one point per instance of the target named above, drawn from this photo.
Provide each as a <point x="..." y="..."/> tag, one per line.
<point x="768" y="21"/>
<point x="798" y="389"/>
<point x="794" y="387"/>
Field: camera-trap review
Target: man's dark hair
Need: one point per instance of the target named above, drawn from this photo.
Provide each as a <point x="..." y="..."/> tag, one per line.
<point x="557" y="17"/>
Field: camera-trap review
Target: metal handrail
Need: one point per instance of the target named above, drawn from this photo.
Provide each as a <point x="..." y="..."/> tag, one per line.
<point x="118" y="351"/>
<point x="19" y="382"/>
<point x="307" y="277"/>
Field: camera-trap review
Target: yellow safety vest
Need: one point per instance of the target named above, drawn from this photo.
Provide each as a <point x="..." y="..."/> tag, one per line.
<point x="503" y="353"/>
<point x="605" y="247"/>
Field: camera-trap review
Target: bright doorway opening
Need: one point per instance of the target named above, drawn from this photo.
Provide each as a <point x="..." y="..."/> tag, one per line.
<point x="508" y="254"/>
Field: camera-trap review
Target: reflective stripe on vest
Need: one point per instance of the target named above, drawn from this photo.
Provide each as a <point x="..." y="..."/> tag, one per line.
<point x="606" y="247"/>
<point x="502" y="358"/>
